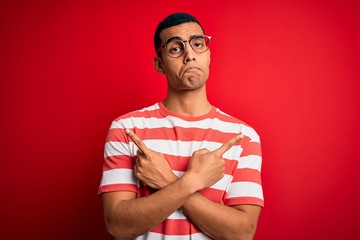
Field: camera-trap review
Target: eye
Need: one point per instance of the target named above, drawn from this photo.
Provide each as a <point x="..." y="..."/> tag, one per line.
<point x="175" y="47"/>
<point x="198" y="43"/>
<point x="175" y="50"/>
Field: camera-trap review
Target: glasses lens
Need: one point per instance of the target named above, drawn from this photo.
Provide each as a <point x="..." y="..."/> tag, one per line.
<point x="175" y="48"/>
<point x="199" y="43"/>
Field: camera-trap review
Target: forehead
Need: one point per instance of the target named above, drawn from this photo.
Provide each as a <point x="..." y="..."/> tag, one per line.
<point x="184" y="31"/>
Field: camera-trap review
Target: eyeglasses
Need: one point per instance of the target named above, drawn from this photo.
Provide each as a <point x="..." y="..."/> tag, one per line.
<point x="175" y="47"/>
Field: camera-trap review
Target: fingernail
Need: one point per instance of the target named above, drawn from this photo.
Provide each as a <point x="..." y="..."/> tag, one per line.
<point x="127" y="131"/>
<point x="241" y="136"/>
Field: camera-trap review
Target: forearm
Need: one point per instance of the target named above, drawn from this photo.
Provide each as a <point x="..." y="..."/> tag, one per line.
<point x="134" y="217"/>
<point x="219" y="221"/>
<point x="205" y="169"/>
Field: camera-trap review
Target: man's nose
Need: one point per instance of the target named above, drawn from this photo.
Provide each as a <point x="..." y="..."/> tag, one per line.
<point x="189" y="53"/>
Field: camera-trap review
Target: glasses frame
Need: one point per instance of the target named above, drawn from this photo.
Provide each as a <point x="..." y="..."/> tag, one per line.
<point x="184" y="45"/>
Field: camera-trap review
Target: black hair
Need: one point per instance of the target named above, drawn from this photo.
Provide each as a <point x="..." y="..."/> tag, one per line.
<point x="170" y="21"/>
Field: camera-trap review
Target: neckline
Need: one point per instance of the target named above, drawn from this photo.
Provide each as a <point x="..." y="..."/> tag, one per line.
<point x="166" y="112"/>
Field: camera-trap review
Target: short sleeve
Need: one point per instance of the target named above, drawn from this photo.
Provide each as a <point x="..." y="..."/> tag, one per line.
<point x="118" y="163"/>
<point x="246" y="187"/>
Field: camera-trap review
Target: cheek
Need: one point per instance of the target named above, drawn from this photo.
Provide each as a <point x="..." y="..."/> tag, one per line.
<point x="171" y="67"/>
<point x="207" y="63"/>
<point x="208" y="53"/>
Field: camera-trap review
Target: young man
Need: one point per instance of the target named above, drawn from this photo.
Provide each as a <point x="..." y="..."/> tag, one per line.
<point x="181" y="169"/>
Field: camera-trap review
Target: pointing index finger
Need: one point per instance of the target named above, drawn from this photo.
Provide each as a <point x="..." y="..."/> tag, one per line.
<point x="226" y="146"/>
<point x="138" y="142"/>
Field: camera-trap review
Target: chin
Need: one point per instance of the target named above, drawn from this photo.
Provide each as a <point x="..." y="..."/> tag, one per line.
<point x="195" y="84"/>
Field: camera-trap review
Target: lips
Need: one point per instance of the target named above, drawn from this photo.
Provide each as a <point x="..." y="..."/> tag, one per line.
<point x="191" y="69"/>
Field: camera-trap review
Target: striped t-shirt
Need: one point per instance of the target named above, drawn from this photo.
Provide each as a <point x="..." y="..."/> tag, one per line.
<point x="177" y="137"/>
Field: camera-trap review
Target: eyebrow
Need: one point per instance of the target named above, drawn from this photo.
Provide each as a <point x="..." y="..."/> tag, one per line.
<point x="179" y="38"/>
<point x="173" y="38"/>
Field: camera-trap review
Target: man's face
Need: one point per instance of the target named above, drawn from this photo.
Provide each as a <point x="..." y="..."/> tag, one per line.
<point x="189" y="71"/>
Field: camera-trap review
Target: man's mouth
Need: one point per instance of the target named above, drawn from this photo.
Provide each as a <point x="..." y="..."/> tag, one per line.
<point x="191" y="69"/>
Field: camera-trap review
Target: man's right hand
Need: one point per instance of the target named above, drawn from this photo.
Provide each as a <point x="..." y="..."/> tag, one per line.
<point x="151" y="167"/>
<point x="207" y="167"/>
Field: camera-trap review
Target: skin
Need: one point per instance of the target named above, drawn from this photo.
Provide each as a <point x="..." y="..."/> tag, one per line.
<point x="187" y="75"/>
<point x="186" y="78"/>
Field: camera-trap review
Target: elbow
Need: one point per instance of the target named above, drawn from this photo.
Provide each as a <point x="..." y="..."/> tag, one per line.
<point x="118" y="234"/>
<point x="246" y="237"/>
<point x="113" y="231"/>
<point x="242" y="236"/>
<point x="118" y="231"/>
<point x="246" y="232"/>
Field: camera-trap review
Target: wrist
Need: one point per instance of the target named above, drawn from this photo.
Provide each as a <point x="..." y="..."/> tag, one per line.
<point x="172" y="178"/>
<point x="189" y="180"/>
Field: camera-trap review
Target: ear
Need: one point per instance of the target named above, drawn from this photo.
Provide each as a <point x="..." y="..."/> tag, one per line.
<point x="157" y="62"/>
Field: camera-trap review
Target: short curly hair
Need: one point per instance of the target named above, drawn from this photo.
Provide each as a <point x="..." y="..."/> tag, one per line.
<point x="170" y="21"/>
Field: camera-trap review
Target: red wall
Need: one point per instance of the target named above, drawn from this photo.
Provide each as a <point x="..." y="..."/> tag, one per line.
<point x="288" y="68"/>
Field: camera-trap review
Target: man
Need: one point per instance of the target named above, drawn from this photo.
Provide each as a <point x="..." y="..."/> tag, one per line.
<point x="167" y="173"/>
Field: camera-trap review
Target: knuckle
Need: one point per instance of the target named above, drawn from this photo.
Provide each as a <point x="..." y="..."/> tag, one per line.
<point x="222" y="161"/>
<point x="195" y="153"/>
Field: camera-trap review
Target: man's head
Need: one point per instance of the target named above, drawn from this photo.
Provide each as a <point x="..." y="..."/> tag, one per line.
<point x="183" y="53"/>
<point x="170" y="21"/>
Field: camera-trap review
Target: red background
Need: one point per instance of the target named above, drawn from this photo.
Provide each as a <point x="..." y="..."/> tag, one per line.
<point x="288" y="68"/>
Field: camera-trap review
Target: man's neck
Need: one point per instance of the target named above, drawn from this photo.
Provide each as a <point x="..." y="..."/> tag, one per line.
<point x="190" y="103"/>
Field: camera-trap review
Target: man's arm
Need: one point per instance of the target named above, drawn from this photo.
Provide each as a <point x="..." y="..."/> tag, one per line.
<point x="127" y="216"/>
<point x="220" y="221"/>
<point x="214" y="219"/>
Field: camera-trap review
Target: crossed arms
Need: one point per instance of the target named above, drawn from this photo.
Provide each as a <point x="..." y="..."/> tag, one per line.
<point x="127" y="217"/>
